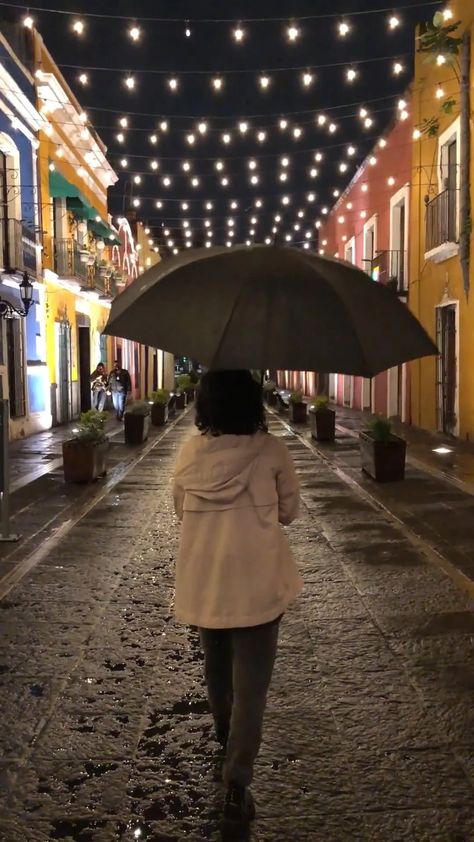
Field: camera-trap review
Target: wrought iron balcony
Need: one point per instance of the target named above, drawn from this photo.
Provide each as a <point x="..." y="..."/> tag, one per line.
<point x="441" y="213"/>
<point x="388" y="267"/>
<point x="70" y="261"/>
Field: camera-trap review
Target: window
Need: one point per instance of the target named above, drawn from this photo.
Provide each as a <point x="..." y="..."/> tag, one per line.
<point x="442" y="211"/>
<point x="398" y="263"/>
<point x="369" y="243"/>
<point x="349" y="251"/>
<point x="16" y="367"/>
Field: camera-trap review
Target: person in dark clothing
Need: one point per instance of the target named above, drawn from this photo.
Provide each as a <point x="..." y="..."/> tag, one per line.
<point x="120" y="385"/>
<point x="99" y="387"/>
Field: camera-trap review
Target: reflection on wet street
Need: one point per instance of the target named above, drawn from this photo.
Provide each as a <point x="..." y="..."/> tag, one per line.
<point x="106" y="733"/>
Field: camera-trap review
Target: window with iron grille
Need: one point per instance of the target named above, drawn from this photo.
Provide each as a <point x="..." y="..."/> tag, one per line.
<point x="16" y="367"/>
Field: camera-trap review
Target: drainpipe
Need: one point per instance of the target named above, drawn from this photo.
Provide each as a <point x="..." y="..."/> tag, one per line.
<point x="465" y="196"/>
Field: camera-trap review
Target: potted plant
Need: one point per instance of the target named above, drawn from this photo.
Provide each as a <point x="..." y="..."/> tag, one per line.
<point x="382" y="453"/>
<point x="298" y="408"/>
<point x="322" y="420"/>
<point x="269" y="391"/>
<point x="159" y="407"/>
<point x="172" y="405"/>
<point x="181" y="397"/>
<point x="103" y="269"/>
<point x="137" y="422"/>
<point x="184" y="384"/>
<point x="84" y="456"/>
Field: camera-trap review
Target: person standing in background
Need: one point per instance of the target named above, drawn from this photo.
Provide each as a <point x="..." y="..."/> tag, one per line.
<point x="120" y="385"/>
<point x="99" y="387"/>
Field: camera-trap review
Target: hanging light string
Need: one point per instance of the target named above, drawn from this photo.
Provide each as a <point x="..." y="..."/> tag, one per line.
<point x="217" y="20"/>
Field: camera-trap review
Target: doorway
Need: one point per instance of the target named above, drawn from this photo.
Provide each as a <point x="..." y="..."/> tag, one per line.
<point x="64" y="372"/>
<point x="447" y="369"/>
<point x="84" y="347"/>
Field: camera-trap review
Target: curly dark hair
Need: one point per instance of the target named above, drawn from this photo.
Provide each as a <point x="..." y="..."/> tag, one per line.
<point x="230" y="402"/>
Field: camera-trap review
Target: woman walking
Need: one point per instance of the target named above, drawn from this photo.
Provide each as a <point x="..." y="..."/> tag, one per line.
<point x="235" y="575"/>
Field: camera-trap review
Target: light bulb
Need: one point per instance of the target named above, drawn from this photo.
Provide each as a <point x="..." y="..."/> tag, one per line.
<point x="186" y="166"/>
<point x="248" y="243"/>
<point x="195" y="182"/>
<point x="308" y="235"/>
<point x="351" y="150"/>
<point x="332" y="128"/>
<point x="363" y="113"/>
<point x="283" y="124"/>
<point x="153" y="139"/>
<point x="398" y="68"/>
<point x="239" y="34"/>
<point x="296" y="226"/>
<point x="154" y="165"/>
<point x="231" y="223"/>
<point x="268" y="241"/>
<point x="258" y="203"/>
<point x="382" y="143"/>
<point x="170" y="243"/>
<point x="324" y="211"/>
<point x="344" y="29"/>
<point x="225" y="181"/>
<point x="277" y="217"/>
<point x="226" y="138"/>
<point x="264" y="82"/>
<point x="393" y="22"/>
<point x="120" y="137"/>
<point x="311" y="197"/>
<point x="306" y="245"/>
<point x="372" y="161"/>
<point x="300" y="214"/>
<point x="209" y="205"/>
<point x="166" y="181"/>
<point x="130" y="82"/>
<point x="297" y="132"/>
<point x="368" y="122"/>
<point x="219" y="165"/>
<point x="191" y="139"/>
<point x="173" y="83"/>
<point x="307" y="79"/>
<point x="243" y="127"/>
<point x="365" y="188"/>
<point x="285" y="162"/>
<point x="202" y="127"/>
<point x="254" y="179"/>
<point x="59" y="153"/>
<point x="416" y="134"/>
<point x="318" y="156"/>
<point x="363" y="214"/>
<point x="252" y="164"/>
<point x="314" y="172"/>
<point x="234" y="205"/>
<point x="440" y="60"/>
<point x="391" y="181"/>
<point x="124" y="163"/>
<point x="159" y="204"/>
<point x="343" y="167"/>
<point x="52" y="167"/>
<point x="28" y="22"/>
<point x="283" y="176"/>
<point x="217" y="83"/>
<point x="261" y="137"/>
<point x="175" y="251"/>
<point x="123" y="122"/>
<point x="134" y="33"/>
<point x="187" y="32"/>
<point x="207" y="223"/>
<point x="285" y="200"/>
<point x="292" y="32"/>
<point x="322" y="119"/>
<point x="288" y="238"/>
<point x="83" y="117"/>
<point x="208" y="244"/>
<point x="336" y="193"/>
<point x="184" y="206"/>
<point x="252" y="232"/>
<point x="78" y="27"/>
<point x="136" y="203"/>
<point x="351" y="74"/>
<point x="137" y="179"/>
<point x="84" y="79"/>
<point x="447" y="14"/>
<point x="439" y="92"/>
<point x="164" y="125"/>
<point x="404" y="115"/>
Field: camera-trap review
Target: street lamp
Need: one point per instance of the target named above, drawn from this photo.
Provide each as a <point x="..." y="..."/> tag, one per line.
<point x="8" y="311"/>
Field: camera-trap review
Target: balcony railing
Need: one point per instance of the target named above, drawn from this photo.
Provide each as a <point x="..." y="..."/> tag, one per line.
<point x="69" y="260"/>
<point x="18" y="246"/>
<point x="441" y="219"/>
<point x="388" y="267"/>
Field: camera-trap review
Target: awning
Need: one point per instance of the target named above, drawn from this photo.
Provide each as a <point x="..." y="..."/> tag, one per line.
<point x="101" y="229"/>
<point x="61" y="188"/>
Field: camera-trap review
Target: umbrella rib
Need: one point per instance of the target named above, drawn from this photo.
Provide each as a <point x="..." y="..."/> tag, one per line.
<point x="226" y="326"/>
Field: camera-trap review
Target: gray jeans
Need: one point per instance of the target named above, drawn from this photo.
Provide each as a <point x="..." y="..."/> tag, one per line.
<point x="238" y="669"/>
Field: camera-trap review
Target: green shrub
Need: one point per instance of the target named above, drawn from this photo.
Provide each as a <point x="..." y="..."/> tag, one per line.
<point x="381" y="429"/>
<point x="183" y="381"/>
<point x="138" y="408"/>
<point x="91" y="428"/>
<point x="160" y="396"/>
<point x="296" y="397"/>
<point x="321" y="402"/>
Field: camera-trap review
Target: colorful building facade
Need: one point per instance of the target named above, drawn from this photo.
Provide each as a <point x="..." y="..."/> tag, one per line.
<point x="78" y="240"/>
<point x="441" y="238"/>
<point x="23" y="369"/>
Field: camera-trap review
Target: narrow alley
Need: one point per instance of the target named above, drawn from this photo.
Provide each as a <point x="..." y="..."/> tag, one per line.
<point x="106" y="733"/>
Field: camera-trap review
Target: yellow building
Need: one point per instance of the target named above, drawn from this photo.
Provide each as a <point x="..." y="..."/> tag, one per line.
<point x="74" y="177"/>
<point x="442" y="390"/>
<point x="157" y="367"/>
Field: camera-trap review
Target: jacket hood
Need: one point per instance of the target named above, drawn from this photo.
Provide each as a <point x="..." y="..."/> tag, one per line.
<point x="218" y="469"/>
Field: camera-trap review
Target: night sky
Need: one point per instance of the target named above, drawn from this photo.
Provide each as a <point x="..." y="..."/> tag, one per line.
<point x="107" y="54"/>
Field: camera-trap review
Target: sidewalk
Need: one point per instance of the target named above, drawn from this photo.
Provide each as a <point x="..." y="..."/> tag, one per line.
<point x="105" y="731"/>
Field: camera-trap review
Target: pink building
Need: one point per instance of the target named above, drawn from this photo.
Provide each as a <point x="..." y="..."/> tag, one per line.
<point x="369" y="227"/>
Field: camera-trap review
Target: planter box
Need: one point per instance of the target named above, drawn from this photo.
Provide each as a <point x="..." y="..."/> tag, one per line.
<point x="383" y="461"/>
<point x="84" y="462"/>
<point x="271" y="398"/>
<point x="181" y="400"/>
<point x="172" y="407"/>
<point x="190" y="393"/>
<point x="298" y="413"/>
<point x="159" y="414"/>
<point x="323" y="424"/>
<point x="136" y="428"/>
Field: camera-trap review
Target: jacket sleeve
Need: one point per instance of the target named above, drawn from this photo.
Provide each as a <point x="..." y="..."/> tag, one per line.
<point x="287" y="488"/>
<point x="128" y="382"/>
<point x="177" y="487"/>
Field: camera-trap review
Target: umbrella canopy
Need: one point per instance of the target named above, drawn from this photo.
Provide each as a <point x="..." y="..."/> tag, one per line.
<point x="269" y="307"/>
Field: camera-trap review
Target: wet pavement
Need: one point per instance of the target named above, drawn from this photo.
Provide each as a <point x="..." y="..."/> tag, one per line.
<point x="369" y="733"/>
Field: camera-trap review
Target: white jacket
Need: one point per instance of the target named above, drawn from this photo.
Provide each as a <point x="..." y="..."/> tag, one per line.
<point x="234" y="566"/>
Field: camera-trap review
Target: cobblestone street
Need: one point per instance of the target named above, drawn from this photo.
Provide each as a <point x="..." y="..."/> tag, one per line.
<point x="106" y="733"/>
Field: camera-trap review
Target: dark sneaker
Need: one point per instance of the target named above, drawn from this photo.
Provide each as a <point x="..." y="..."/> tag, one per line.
<point x="239" y="811"/>
<point x="222" y="735"/>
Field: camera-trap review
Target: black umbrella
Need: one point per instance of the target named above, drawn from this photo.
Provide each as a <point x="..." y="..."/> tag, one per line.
<point x="269" y="307"/>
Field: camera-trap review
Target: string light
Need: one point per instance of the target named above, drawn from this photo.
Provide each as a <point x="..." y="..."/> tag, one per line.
<point x="351" y="74"/>
<point x="123" y="122"/>
<point x="268" y="241"/>
<point x="307" y="79"/>
<point x="186" y="166"/>
<point x="120" y="137"/>
<point x="187" y="32"/>
<point x="191" y="139"/>
<point x="336" y="193"/>
<point x="225" y="181"/>
<point x="219" y="165"/>
<point x="173" y="83"/>
<point x="447" y="14"/>
<point x="136" y="203"/>
<point x="391" y="181"/>
<point x="153" y="139"/>
<point x="416" y="134"/>
<point x="59" y="153"/>
<point x="239" y="34"/>
<point x="322" y="119"/>
<point x="311" y="197"/>
<point x="318" y="156"/>
<point x="159" y="204"/>
<point x="217" y="83"/>
<point x="363" y="214"/>
<point x="83" y="79"/>
<point x="166" y="181"/>
<point x="382" y="143"/>
<point x="164" y="126"/>
<point x="351" y="150"/>
<point x="261" y="137"/>
<point x="202" y="127"/>
<point x="332" y="128"/>
<point x="258" y="203"/>
<point x="285" y="162"/>
<point x="254" y="179"/>
<point x="283" y="176"/>
<point x="130" y="82"/>
<point x="137" y="179"/>
<point x="195" y="182"/>
<point x="184" y="206"/>
<point x="285" y="200"/>
<point x="252" y="164"/>
<point x="226" y="138"/>
<point x="134" y="33"/>
<point x="124" y="163"/>
<point x="78" y="27"/>
<point x="314" y="172"/>
<point x="301" y="214"/>
<point x="440" y="60"/>
<point x="154" y="165"/>
<point x="209" y="206"/>
<point x="264" y="82"/>
<point x="368" y="122"/>
<point x="297" y="132"/>
<point x="283" y="124"/>
<point x="234" y="205"/>
<point x="293" y="33"/>
<point x="439" y="92"/>
<point x="243" y="127"/>
<point x="393" y="22"/>
<point x="398" y="68"/>
<point x="372" y="160"/>
<point x="28" y="22"/>
<point x="344" y="29"/>
<point x="52" y="167"/>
